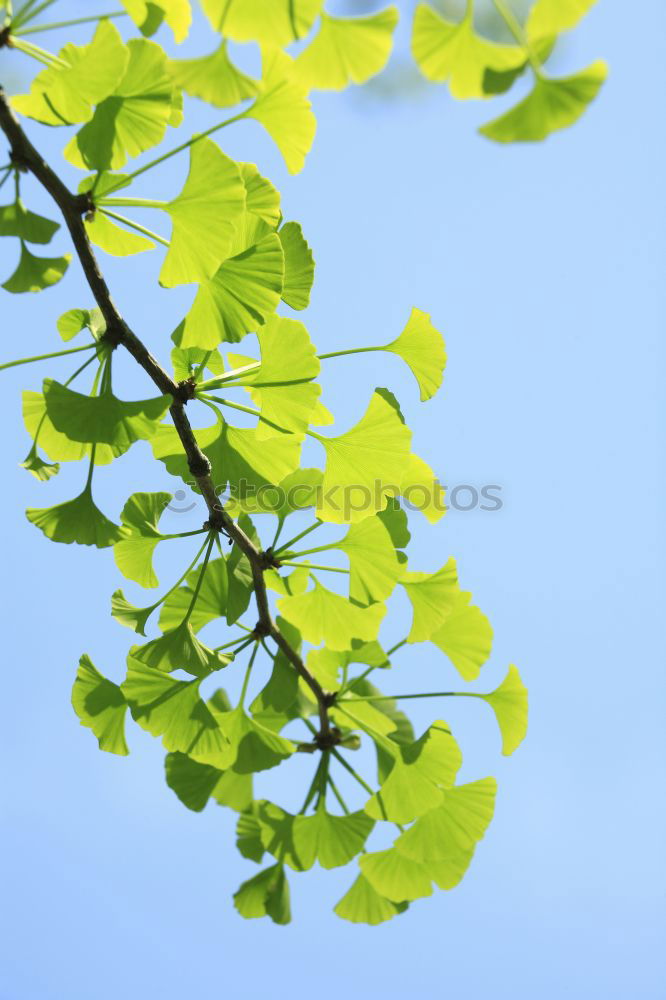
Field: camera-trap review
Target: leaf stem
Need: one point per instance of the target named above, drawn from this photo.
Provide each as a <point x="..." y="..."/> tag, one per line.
<point x="311" y="552"/>
<point x="520" y="36"/>
<point x="246" y="679"/>
<point x="195" y="596"/>
<point x="131" y="202"/>
<point x="297" y="538"/>
<point x="394" y="649"/>
<point x="334" y="789"/>
<point x="135" y="225"/>
<point x="341" y="760"/>
<point x="314" y="784"/>
<point x="46" y="357"/>
<point x="67" y="24"/>
<point x="37" y="52"/>
<point x="315" y="566"/>
<point x="429" y="694"/>
<point x="352" y="350"/>
<point x="29" y="12"/>
<point x="247" y="409"/>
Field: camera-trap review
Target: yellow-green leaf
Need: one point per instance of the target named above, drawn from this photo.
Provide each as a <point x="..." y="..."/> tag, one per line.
<point x="284" y="109"/>
<point x="347" y="50"/>
<point x="509" y="702"/>
<point x="100" y="705"/>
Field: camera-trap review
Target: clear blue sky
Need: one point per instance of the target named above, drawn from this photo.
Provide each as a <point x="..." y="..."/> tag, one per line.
<point x="542" y="266"/>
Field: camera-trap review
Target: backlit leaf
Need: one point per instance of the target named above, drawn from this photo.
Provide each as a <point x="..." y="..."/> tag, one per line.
<point x="550" y="17"/>
<point x="79" y="521"/>
<point x="149" y="14"/>
<point x="211" y="601"/>
<point x="214" y="79"/>
<point x="17" y="220"/>
<point x="134" y="552"/>
<point x="374" y="566"/>
<point x="179" y="649"/>
<point x="332" y="840"/>
<point x="466" y="637"/>
<point x="100" y="705"/>
<point x="271" y="22"/>
<point x="347" y="50"/>
<point x="267" y="894"/>
<point x="395" y="876"/>
<point x="362" y="904"/>
<point x="509" y="702"/>
<point x="299" y="266"/>
<point x="421" y="347"/>
<point x="454" y="827"/>
<point x="284" y="109"/>
<point x="322" y="616"/>
<point x="433" y="597"/>
<point x="33" y="274"/>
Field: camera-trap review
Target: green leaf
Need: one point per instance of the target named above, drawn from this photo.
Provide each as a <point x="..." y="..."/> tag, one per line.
<point x="322" y="616"/>
<point x="499" y="81"/>
<point x="55" y="444"/>
<point x="103" y="419"/>
<point x="248" y="837"/>
<point x="134" y="552"/>
<point x="253" y="746"/>
<point x="420" y="772"/>
<point x="332" y="840"/>
<point x="100" y="705"/>
<point x="433" y="597"/>
<point x="421" y="347"/>
<point x="78" y="521"/>
<point x="280" y="693"/>
<point x="113" y="239"/>
<point x="192" y="782"/>
<point x="41" y="470"/>
<point x="214" y="79"/>
<point x="262" y="199"/>
<point x="17" y="220"/>
<point x="454" y="52"/>
<point x="179" y="649"/>
<point x="129" y="615"/>
<point x="374" y="566"/>
<point x="509" y="702"/>
<point x="149" y="14"/>
<point x="204" y="215"/>
<point x="347" y="50"/>
<point x="234" y="791"/>
<point x="211" y="601"/>
<point x="396" y="523"/>
<point x="66" y="95"/>
<point x="284" y="110"/>
<point x="33" y="274"/>
<point x="271" y="22"/>
<point x="134" y="118"/>
<point x="267" y="894"/>
<point x="553" y="104"/>
<point x="466" y="637"/>
<point x="422" y="490"/>
<point x="75" y="320"/>
<point x="551" y="17"/>
<point x="238" y="298"/>
<point x="395" y="876"/>
<point x="364" y="465"/>
<point x="455" y="827"/>
<point x="364" y="905"/>
<point x="299" y="266"/>
<point x="187" y="360"/>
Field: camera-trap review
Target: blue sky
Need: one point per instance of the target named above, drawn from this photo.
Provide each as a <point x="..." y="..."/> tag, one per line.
<point x="542" y="266"/>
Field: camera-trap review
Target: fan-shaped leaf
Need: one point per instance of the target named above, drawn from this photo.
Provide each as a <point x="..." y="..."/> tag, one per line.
<point x="395" y="876"/>
<point x="33" y="274"/>
<point x="421" y="347"/>
<point x="76" y="320"/>
<point x="374" y="566"/>
<point x="17" y="220"/>
<point x="550" y="17"/>
<point x="362" y="904"/>
<point x="149" y="14"/>
<point x="347" y="50"/>
<point x="214" y="79"/>
<point x="284" y="109"/>
<point x="211" y="601"/>
<point x="453" y="828"/>
<point x="271" y="22"/>
<point x="179" y="649"/>
<point x="433" y="597"/>
<point x="134" y="552"/>
<point x="466" y="637"/>
<point x="267" y="894"/>
<point x="100" y="705"/>
<point x="78" y="520"/>
<point x="509" y="702"/>
<point x="322" y="616"/>
<point x="299" y="266"/>
<point x="261" y="197"/>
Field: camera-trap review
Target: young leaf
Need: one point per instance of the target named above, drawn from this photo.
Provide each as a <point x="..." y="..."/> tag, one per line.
<point x="214" y="79"/>
<point x="421" y="347"/>
<point x="299" y="266"/>
<point x="252" y="746"/>
<point x="551" y="17"/>
<point x="454" y="827"/>
<point x="34" y="274"/>
<point x="129" y="615"/>
<point x="395" y="876"/>
<point x="149" y="14"/>
<point x="509" y="702"/>
<point x="362" y="904"/>
<point x="41" y="470"/>
<point x="332" y="840"/>
<point x="100" y="705"/>
<point x="322" y="616"/>
<point x="553" y="104"/>
<point x="422" y="490"/>
<point x="284" y="109"/>
<point x="466" y="637"/>
<point x="78" y="521"/>
<point x="374" y="566"/>
<point x="75" y="320"/>
<point x="262" y="199"/>
<point x="270" y="22"/>
<point x="454" y="52"/>
<point x="433" y="597"/>
<point x="179" y="649"/>
<point x="238" y="298"/>
<point x="347" y="50"/>
<point x="204" y="215"/>
<point x="267" y="894"/>
<point x="113" y="239"/>
<point x="364" y="465"/>
<point x="134" y="552"/>
<point x="17" y="220"/>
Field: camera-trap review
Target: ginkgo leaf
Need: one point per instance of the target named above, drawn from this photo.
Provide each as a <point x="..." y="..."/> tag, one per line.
<point x="297" y="492"/>
<point x="134" y="552"/>
<point x="433" y="597"/>
<point x="420" y="772"/>
<point x="192" y="782"/>
<point x="57" y="445"/>
<point x="466" y="637"/>
<point x="129" y="615"/>
<point x="66" y="92"/>
<point x="148" y="15"/>
<point x="553" y="104"/>
<point x="509" y="702"/>
<point x="395" y="876"/>
<point x="362" y="715"/>
<point x="41" y="470"/>
<point x="421" y="489"/>
<point x="204" y="216"/>
<point x="362" y="904"/>
<point x="445" y="51"/>
<point x="322" y="616"/>
<point x="174" y="710"/>
<point x="102" y="419"/>
<point x="248" y="836"/>
<point x="78" y="520"/>
<point x="284" y="110"/>
<point x="17" y="220"/>
<point x="238" y="458"/>
<point x="187" y="360"/>
<point x="267" y="894"/>
<point x="252" y="746"/>
<point x="134" y="117"/>
<point x="551" y="17"/>
<point x="76" y="320"/>
<point x="374" y="565"/>
<point x="271" y="22"/>
<point x="33" y="274"/>
<point x="238" y="298"/>
<point x="287" y="356"/>
<point x="332" y="840"/>
<point x="347" y="50"/>
<point x="324" y="664"/>
<point x="179" y="649"/>
<point x="455" y="827"/>
<point x="261" y="197"/>
<point x="234" y="791"/>
<point x="113" y="239"/>
<point x="214" y="79"/>
<point x="279" y="693"/>
<point x="101" y="706"/>
<point x="364" y="465"/>
<point x="299" y="266"/>
<point x="421" y="347"/>
<point x="211" y="600"/>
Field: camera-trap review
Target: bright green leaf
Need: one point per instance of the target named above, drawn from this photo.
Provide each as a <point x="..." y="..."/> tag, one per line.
<point x="333" y="840"/>
<point x="100" y="705"/>
<point x="284" y="110"/>
<point x="271" y="22"/>
<point x="214" y="79"/>
<point x="509" y="702"/>
<point x="421" y="347"/>
<point x="267" y="894"/>
<point x="299" y="266"/>
<point x="433" y="597"/>
<point x="211" y="601"/>
<point x="17" y="220"/>
<point x="75" y="320"/>
<point x="33" y="274"/>
<point x="78" y="520"/>
<point x="374" y="566"/>
<point x="322" y="616"/>
<point x="149" y="14"/>
<point x="466" y="637"/>
<point x="179" y="649"/>
<point x="551" y="17"/>
<point x="395" y="876"/>
<point x="362" y="904"/>
<point x="261" y="197"/>
<point x="113" y="239"/>
<point x="347" y="50"/>
<point x="134" y="552"/>
<point x="454" y="827"/>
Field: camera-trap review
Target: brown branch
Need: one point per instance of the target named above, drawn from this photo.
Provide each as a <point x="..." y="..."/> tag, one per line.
<point x="73" y="207"/>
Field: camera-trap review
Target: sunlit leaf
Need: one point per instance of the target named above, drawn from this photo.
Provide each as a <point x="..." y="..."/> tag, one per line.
<point x="192" y="782"/>
<point x="271" y="22"/>
<point x="433" y="597"/>
<point x="248" y="836"/>
<point x="113" y="239"/>
<point x="211" y="601"/>
<point x="421" y="347"/>
<point x="550" y="17"/>
<point x="149" y="14"/>
<point x="179" y="649"/>
<point x="75" y="320"/>
<point x="454" y="827"/>
<point x="299" y="266"/>
<point x="362" y="904"/>
<point x="553" y="104"/>
<point x="134" y="552"/>
<point x="33" y="274"/>
<point x="17" y="220"/>
<point x="322" y="616"/>
<point x="214" y="79"/>
<point x="347" y="50"/>
<point x="422" y="490"/>
<point x="261" y="197"/>
<point x="267" y="894"/>
<point x="466" y="637"/>
<point x="374" y="566"/>
<point x="78" y="520"/>
<point x="395" y="876"/>
<point x="284" y="109"/>
<point x="100" y="705"/>
<point x="509" y="702"/>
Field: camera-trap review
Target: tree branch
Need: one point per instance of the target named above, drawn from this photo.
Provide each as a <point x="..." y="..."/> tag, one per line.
<point x="73" y="207"/>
